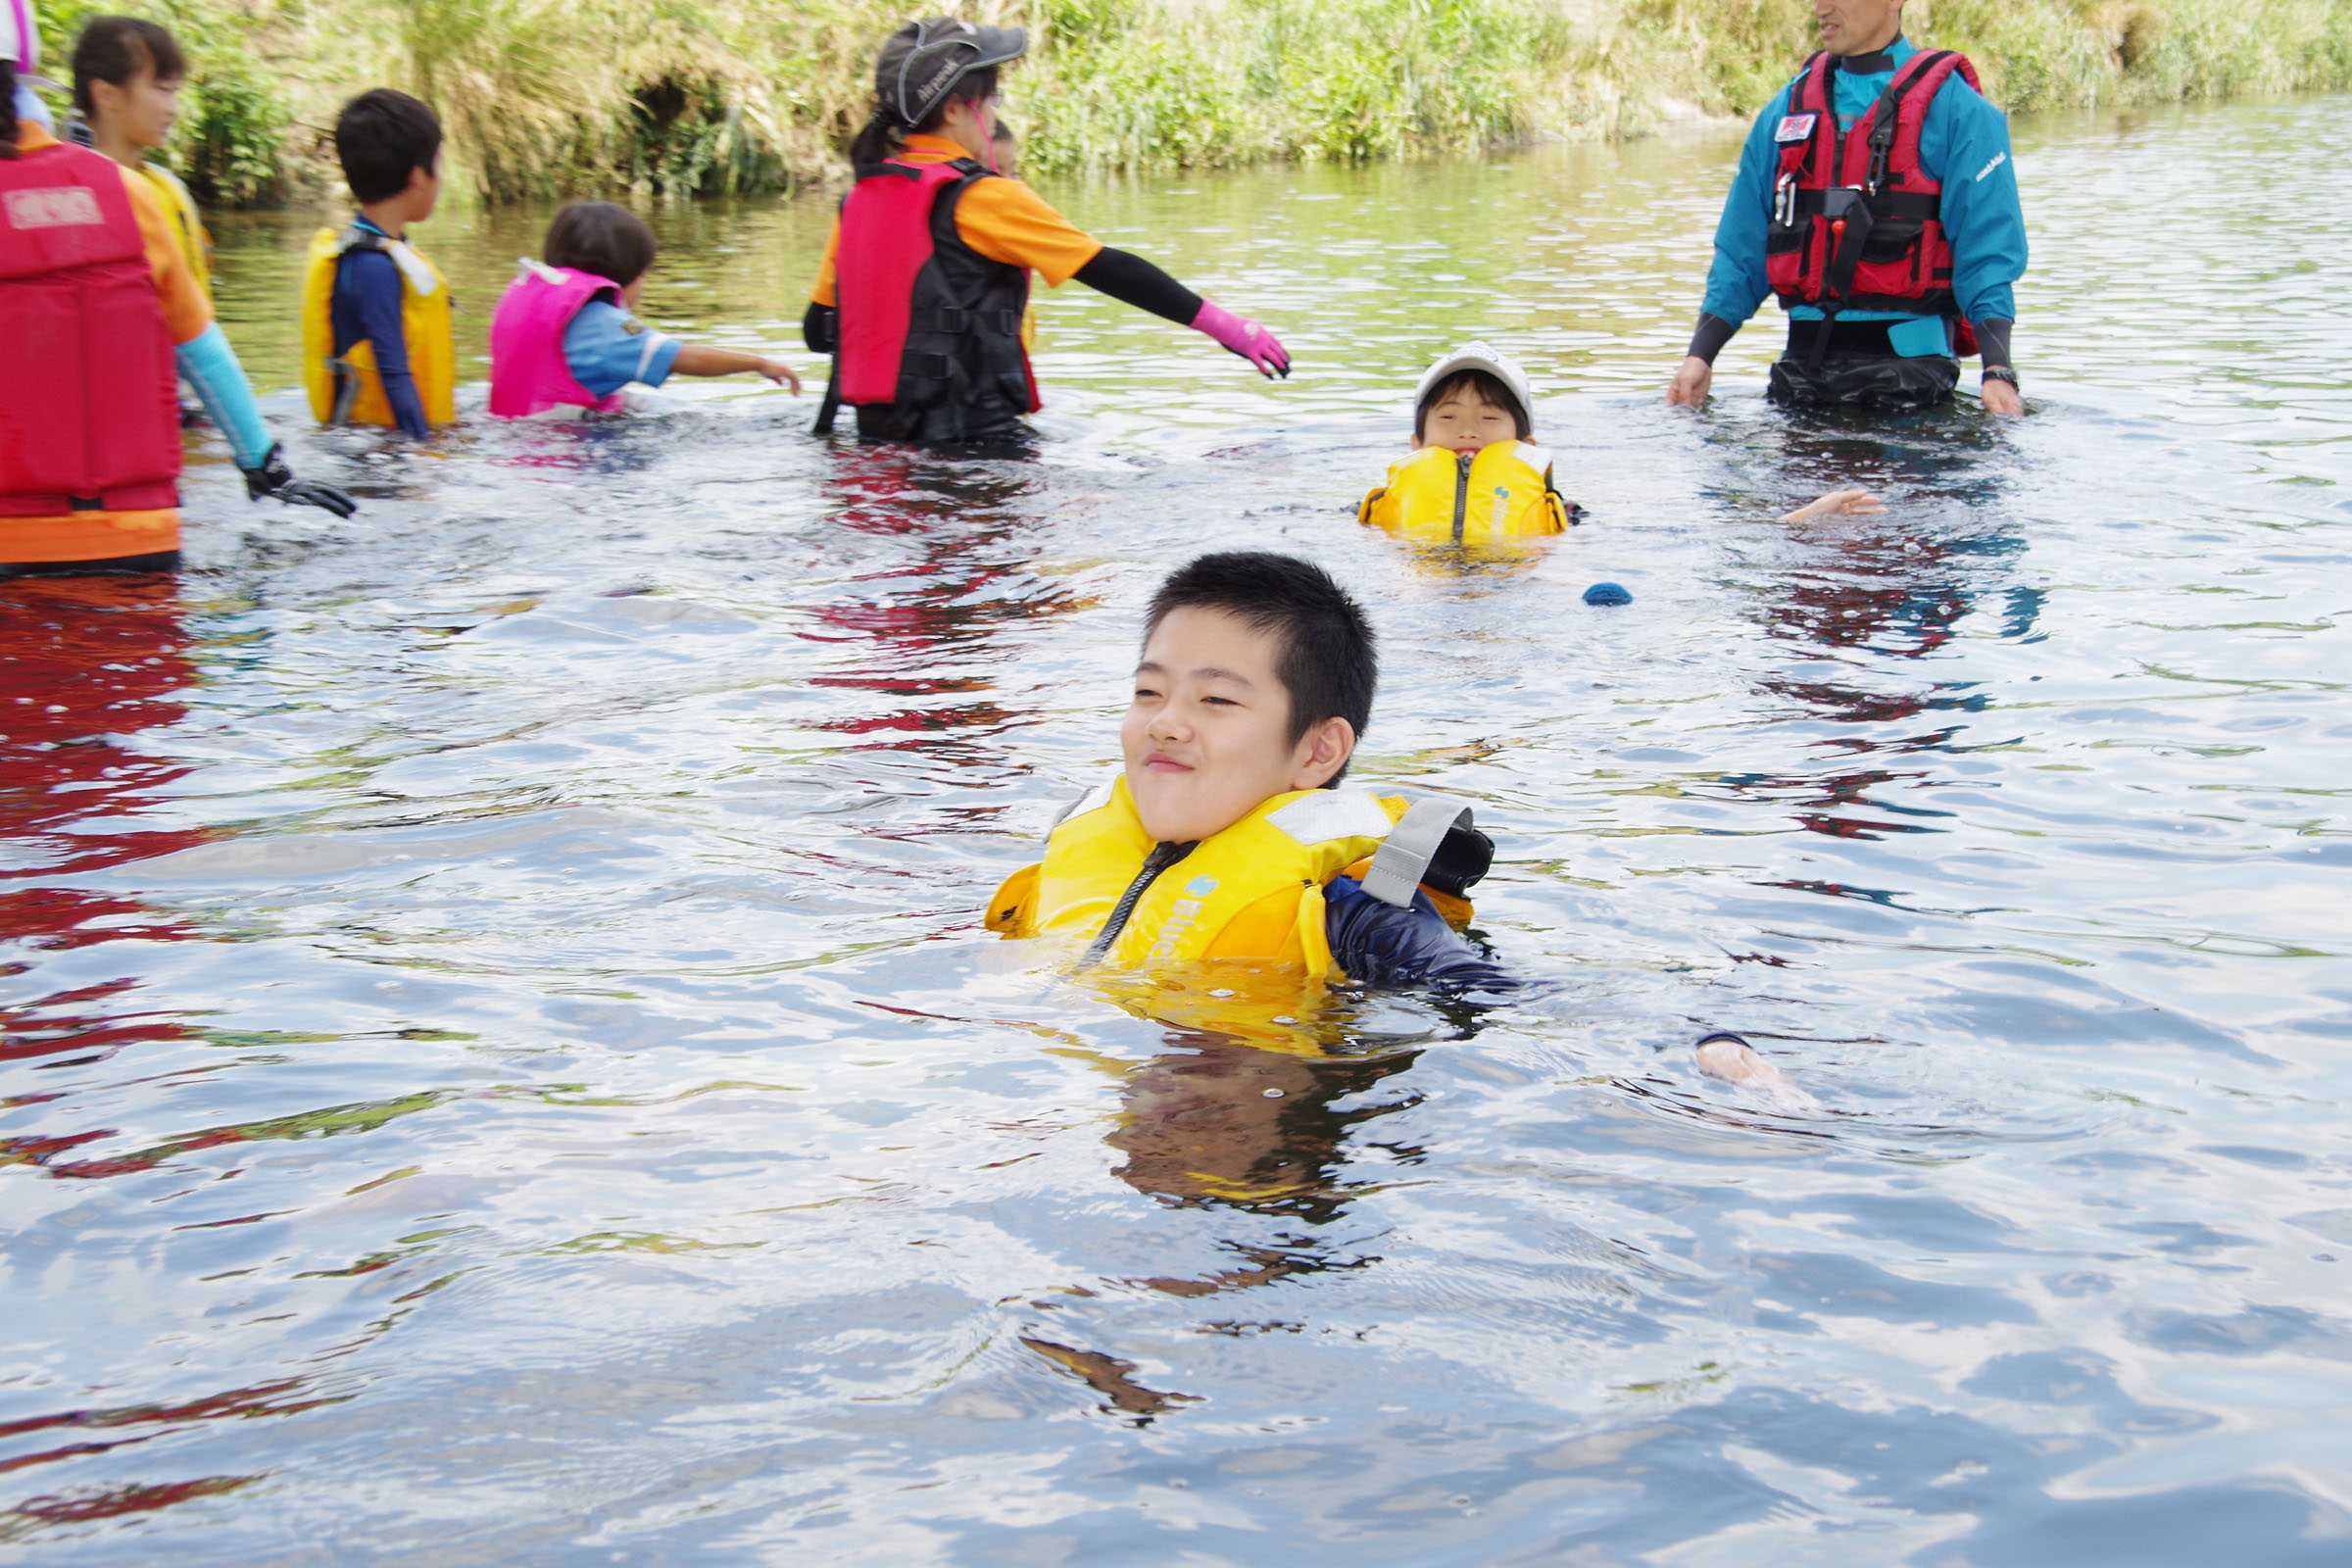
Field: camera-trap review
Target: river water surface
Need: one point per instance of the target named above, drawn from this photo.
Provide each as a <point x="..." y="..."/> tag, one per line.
<point x="502" y="1063"/>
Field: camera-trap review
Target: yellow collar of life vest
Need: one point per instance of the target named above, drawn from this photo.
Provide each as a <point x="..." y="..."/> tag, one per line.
<point x="1503" y="492"/>
<point x="1251" y="894"/>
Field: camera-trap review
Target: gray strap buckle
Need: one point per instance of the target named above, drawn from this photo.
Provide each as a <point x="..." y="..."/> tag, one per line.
<point x="1404" y="854"/>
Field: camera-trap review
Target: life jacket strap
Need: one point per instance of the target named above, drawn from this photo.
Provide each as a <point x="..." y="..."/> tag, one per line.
<point x="1404" y="856"/>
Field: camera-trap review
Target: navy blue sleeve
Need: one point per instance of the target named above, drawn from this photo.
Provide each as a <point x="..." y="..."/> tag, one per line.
<point x="368" y="295"/>
<point x="1379" y="944"/>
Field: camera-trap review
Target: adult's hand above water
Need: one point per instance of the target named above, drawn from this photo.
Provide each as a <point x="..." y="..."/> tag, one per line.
<point x="1688" y="389"/>
<point x="272" y="478"/>
<point x="1243" y="337"/>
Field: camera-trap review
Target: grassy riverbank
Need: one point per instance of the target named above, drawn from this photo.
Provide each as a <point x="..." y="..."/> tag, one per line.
<point x="710" y="96"/>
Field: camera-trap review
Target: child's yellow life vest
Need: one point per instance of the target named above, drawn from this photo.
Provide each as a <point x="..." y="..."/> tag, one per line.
<point x="1503" y="492"/>
<point x="1253" y="893"/>
<point x="188" y="224"/>
<point x="423" y="322"/>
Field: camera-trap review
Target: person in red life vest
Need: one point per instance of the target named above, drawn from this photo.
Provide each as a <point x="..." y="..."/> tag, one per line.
<point x="1877" y="199"/>
<point x="921" y="292"/>
<point x="98" y="310"/>
<point x="564" y="339"/>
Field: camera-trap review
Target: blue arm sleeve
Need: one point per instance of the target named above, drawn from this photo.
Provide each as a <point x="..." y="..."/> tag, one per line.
<point x="1965" y="144"/>
<point x="368" y="282"/>
<point x="211" y="369"/>
<point x="1735" y="283"/>
<point x="1378" y="943"/>
<point x="607" y="348"/>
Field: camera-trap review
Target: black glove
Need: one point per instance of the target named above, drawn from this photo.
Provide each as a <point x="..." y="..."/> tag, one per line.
<point x="274" y="479"/>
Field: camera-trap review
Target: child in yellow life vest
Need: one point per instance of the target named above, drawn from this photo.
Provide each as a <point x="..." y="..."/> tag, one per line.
<point x="128" y="74"/>
<point x="1226" y="837"/>
<point x="375" y="335"/>
<point x="1475" y="476"/>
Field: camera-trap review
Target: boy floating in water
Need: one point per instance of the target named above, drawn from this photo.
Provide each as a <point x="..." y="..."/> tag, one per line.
<point x="564" y="339"/>
<point x="1226" y="837"/>
<point x="1474" y="476"/>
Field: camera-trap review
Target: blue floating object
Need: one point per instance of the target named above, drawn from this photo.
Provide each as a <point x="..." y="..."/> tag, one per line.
<point x="1607" y="593"/>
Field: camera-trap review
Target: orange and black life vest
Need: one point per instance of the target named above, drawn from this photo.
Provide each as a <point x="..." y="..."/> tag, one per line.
<point x="1856" y="222"/>
<point x="89" y="419"/>
<point x="925" y="319"/>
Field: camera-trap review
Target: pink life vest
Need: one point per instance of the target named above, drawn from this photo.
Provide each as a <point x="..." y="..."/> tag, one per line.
<point x="528" y="371"/>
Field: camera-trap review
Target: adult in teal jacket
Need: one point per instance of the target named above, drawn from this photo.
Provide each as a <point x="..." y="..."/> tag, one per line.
<point x="1863" y="355"/>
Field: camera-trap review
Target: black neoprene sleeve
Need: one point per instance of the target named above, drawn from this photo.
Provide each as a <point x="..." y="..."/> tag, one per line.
<point x="1130" y="280"/>
<point x="1712" y="334"/>
<point x="1992" y="341"/>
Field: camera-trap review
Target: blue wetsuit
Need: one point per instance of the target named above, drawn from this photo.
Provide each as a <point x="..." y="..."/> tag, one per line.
<point x="1963" y="142"/>
<point x="1381" y="945"/>
<point x="366" y="309"/>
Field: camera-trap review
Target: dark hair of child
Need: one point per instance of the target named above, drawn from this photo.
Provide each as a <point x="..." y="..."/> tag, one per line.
<point x="115" y="49"/>
<point x="379" y="137"/>
<point x="1487" y="389"/>
<point x="1326" y="661"/>
<point x="881" y="136"/>
<point x="600" y="239"/>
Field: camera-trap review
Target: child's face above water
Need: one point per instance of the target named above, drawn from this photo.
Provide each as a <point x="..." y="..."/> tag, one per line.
<point x="1207" y="736"/>
<point x="1466" y="423"/>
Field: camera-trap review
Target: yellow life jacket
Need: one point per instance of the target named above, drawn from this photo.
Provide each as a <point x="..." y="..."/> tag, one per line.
<point x="423" y="322"/>
<point x="1503" y="492"/>
<point x="1251" y="894"/>
<point x="188" y="224"/>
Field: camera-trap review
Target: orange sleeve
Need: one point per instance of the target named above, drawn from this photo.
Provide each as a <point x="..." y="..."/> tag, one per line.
<point x="824" y="292"/>
<point x="185" y="312"/>
<point x="1006" y="222"/>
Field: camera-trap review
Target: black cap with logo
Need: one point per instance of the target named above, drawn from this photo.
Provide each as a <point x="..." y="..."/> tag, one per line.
<point x="921" y="63"/>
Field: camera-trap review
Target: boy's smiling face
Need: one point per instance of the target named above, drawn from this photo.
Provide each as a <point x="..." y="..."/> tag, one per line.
<point x="1207" y="737"/>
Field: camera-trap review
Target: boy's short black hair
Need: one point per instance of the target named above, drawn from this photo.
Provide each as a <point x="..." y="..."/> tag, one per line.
<point x="602" y="238"/>
<point x="381" y="135"/>
<point x="1487" y="388"/>
<point x="1327" y="662"/>
<point x="115" y="49"/>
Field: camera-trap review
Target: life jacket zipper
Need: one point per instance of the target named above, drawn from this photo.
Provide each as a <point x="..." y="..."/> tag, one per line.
<point x="1162" y="857"/>
<point x="1462" y="491"/>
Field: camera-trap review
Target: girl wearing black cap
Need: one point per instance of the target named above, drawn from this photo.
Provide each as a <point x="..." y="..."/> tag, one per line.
<point x="922" y="289"/>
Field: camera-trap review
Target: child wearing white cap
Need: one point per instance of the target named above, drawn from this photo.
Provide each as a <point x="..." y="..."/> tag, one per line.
<point x="1474" y="475"/>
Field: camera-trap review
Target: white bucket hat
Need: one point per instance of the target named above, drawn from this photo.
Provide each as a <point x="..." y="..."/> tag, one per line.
<point x="1478" y="356"/>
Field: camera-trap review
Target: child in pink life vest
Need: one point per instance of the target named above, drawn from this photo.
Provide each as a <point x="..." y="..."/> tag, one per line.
<point x="564" y="341"/>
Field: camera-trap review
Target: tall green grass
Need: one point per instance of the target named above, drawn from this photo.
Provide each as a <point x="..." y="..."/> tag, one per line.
<point x="714" y="96"/>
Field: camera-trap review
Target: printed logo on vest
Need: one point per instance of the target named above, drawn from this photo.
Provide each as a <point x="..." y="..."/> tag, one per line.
<point x="1201" y="887"/>
<point x="1796" y="128"/>
<point x="54" y="207"/>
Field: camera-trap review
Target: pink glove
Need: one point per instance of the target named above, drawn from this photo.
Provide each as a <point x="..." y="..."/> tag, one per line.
<point x="1244" y="338"/>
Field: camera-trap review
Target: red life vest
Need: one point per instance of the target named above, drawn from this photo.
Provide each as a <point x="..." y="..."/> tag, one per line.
<point x="90" y="420"/>
<point x="1856" y="224"/>
<point x="925" y="319"/>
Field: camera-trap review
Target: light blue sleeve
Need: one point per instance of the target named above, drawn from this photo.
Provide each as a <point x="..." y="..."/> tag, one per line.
<point x="1736" y="282"/>
<point x="211" y="369"/>
<point x="1965" y="144"/>
<point x="607" y="348"/>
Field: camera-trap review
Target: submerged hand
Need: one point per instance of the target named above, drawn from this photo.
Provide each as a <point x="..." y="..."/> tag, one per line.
<point x="782" y="374"/>
<point x="1688" y="389"/>
<point x="1838" y="504"/>
<point x="273" y="478"/>
<point x="2002" y="398"/>
<point x="1244" y="338"/>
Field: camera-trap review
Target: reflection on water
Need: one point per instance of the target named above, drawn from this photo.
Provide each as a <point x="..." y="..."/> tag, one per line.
<point x="502" y="1063"/>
